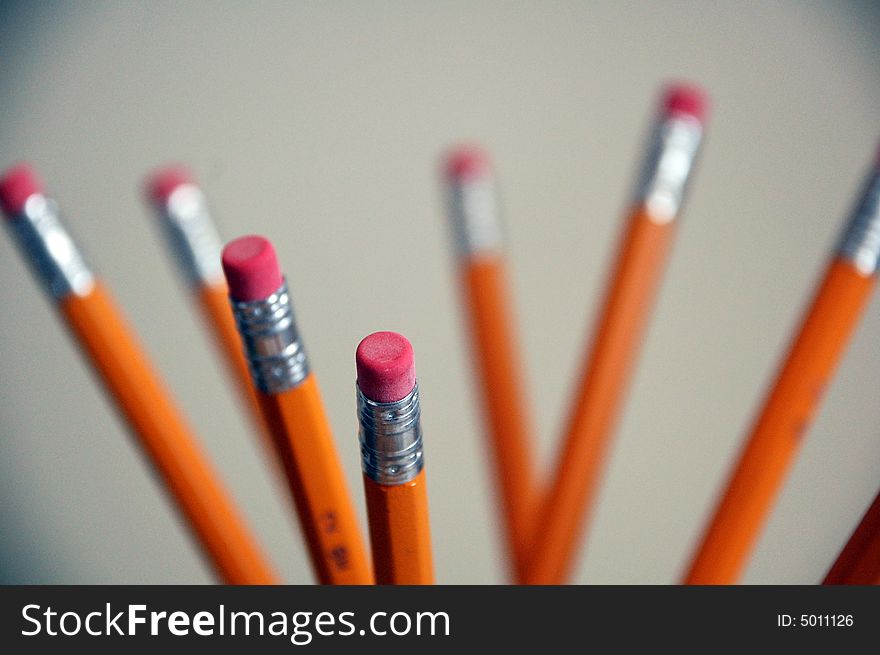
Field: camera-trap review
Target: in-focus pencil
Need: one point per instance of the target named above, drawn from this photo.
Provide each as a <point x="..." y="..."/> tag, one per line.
<point x="390" y="435"/>
<point x="291" y="404"/>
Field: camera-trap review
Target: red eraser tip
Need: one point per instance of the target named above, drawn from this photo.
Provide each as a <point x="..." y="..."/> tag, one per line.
<point x="251" y="268"/>
<point x="467" y="162"/>
<point x="686" y="99"/>
<point x="17" y="185"/>
<point x="386" y="369"/>
<point x="163" y="181"/>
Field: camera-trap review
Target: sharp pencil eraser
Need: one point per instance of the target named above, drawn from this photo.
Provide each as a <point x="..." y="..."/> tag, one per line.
<point x="251" y="268"/>
<point x="467" y="162"/>
<point x="17" y="185"/>
<point x="386" y="370"/>
<point x="163" y="181"/>
<point x="686" y="99"/>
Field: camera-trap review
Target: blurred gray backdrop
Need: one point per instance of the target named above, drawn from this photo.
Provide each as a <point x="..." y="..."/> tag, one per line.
<point x="320" y="125"/>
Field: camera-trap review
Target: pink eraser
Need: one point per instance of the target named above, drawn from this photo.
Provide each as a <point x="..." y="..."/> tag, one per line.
<point x="17" y="185"/>
<point x="467" y="162"/>
<point x="251" y="268"/>
<point x="685" y="99"/>
<point x="163" y="181"/>
<point x="386" y="369"/>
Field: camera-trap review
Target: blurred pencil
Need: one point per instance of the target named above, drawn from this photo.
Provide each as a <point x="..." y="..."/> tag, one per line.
<point x="128" y="377"/>
<point x="390" y="435"/>
<point x="793" y="400"/>
<point x="599" y="396"/>
<point x="291" y="404"/>
<point x="193" y="240"/>
<point x="473" y="212"/>
<point x="859" y="561"/>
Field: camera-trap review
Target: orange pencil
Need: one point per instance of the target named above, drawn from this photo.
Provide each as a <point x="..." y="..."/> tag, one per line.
<point x="390" y="437"/>
<point x="599" y="396"/>
<point x="789" y="408"/>
<point x="473" y="212"/>
<point x="290" y="401"/>
<point x="859" y="561"/>
<point x="129" y="378"/>
<point x="193" y="238"/>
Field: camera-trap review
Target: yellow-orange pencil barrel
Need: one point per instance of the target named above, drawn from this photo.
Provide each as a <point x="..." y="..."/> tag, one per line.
<point x="789" y="408"/>
<point x="600" y="393"/>
<point x="196" y="246"/>
<point x="390" y="436"/>
<point x="130" y="380"/>
<point x="473" y="213"/>
<point x="859" y="561"/>
<point x="290" y="401"/>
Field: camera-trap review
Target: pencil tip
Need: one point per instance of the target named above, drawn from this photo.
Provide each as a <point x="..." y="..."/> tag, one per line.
<point x="162" y="182"/>
<point x="685" y="99"/>
<point x="386" y="370"/>
<point x="467" y="162"/>
<point x="17" y="184"/>
<point x="251" y="268"/>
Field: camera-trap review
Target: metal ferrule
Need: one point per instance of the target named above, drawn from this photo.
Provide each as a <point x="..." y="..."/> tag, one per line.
<point x="271" y="341"/>
<point x="51" y="251"/>
<point x="474" y="211"/>
<point x="391" y="438"/>
<point x="663" y="182"/>
<point x="193" y="236"/>
<point x="861" y="238"/>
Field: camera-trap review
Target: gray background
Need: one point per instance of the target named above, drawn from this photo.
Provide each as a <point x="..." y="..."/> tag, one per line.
<point x="320" y="126"/>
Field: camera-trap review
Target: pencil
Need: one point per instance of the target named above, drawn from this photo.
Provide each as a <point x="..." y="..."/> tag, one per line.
<point x="605" y="378"/>
<point x="291" y="404"/>
<point x="129" y="378"/>
<point x="196" y="246"/>
<point x="473" y="213"/>
<point x="390" y="438"/>
<point x="794" y="397"/>
<point x="859" y="561"/>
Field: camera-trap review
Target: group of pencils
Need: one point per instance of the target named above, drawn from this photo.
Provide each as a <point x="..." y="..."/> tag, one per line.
<point x="246" y="305"/>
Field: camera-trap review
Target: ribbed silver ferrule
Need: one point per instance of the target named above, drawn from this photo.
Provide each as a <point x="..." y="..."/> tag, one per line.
<point x="271" y="341"/>
<point x="474" y="213"/>
<point x="51" y="251"/>
<point x="192" y="234"/>
<point x="663" y="182"/>
<point x="861" y="238"/>
<point x="390" y="435"/>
